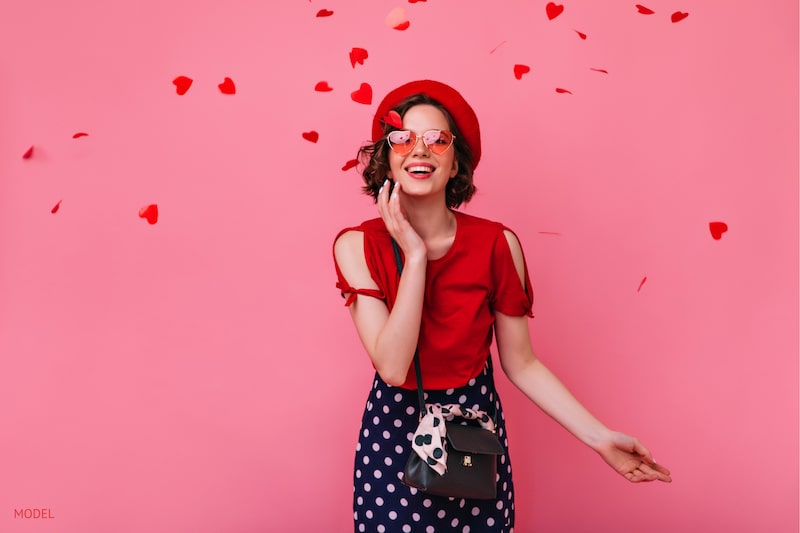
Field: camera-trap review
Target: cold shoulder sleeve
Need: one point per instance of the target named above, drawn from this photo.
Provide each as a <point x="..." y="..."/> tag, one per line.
<point x="508" y="295"/>
<point x="347" y="291"/>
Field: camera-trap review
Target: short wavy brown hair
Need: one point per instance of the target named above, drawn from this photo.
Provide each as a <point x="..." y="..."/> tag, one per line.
<point x="374" y="156"/>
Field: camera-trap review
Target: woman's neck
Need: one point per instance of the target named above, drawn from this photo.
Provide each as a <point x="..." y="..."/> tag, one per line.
<point x="433" y="222"/>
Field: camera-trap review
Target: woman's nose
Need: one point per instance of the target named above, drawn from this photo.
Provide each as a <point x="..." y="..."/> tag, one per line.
<point x="420" y="147"/>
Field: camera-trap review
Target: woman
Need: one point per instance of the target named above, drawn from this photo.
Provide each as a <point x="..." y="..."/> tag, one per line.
<point x="463" y="278"/>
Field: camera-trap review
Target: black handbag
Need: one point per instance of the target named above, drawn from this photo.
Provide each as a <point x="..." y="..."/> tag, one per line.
<point x="471" y="453"/>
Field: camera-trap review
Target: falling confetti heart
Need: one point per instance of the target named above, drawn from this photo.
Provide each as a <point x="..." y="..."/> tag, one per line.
<point x="717" y="229"/>
<point x="323" y="87"/>
<point x="393" y="119"/>
<point x="519" y="70"/>
<point x="363" y="95"/>
<point x="358" y="55"/>
<point x="79" y="135"/>
<point x="350" y="164"/>
<point x="182" y="84"/>
<point x="604" y="71"/>
<point x="562" y="91"/>
<point x="553" y="10"/>
<point x="324" y="13"/>
<point x="312" y="136"/>
<point x="641" y="283"/>
<point x="227" y="86"/>
<point x="28" y="153"/>
<point x="55" y="207"/>
<point x="581" y="35"/>
<point x="150" y="213"/>
<point x="396" y="19"/>
<point x="678" y="16"/>
<point x="644" y="10"/>
<point x="415" y="1"/>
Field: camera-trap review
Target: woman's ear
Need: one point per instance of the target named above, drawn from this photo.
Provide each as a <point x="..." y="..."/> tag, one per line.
<point x="454" y="171"/>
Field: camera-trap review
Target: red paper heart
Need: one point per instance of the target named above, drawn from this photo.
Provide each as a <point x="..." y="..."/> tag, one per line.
<point x="644" y="10"/>
<point x="350" y="164"/>
<point x="553" y="10"/>
<point x="363" y="95"/>
<point x="562" y="91"/>
<point x="415" y="1"/>
<point x="312" y="136"/>
<point x="358" y="55"/>
<point x="519" y="70"/>
<point x="402" y="26"/>
<point x="678" y="16"/>
<point x="323" y="87"/>
<point x="28" y="153"/>
<point x="227" y="86"/>
<point x="81" y="134"/>
<point x="599" y="70"/>
<point x="55" y="207"/>
<point x="150" y="213"/>
<point x="717" y="229"/>
<point x="182" y="84"/>
<point x="393" y="119"/>
<point x="581" y="35"/>
<point x="641" y="283"/>
<point x="324" y="13"/>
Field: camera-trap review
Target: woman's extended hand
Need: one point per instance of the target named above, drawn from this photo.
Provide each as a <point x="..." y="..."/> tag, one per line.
<point x="631" y="459"/>
<point x="397" y="223"/>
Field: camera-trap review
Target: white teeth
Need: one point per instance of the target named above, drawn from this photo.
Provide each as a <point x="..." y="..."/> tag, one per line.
<point x="420" y="169"/>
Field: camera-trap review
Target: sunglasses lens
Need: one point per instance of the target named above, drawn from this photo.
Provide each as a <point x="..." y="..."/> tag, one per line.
<point x="438" y="140"/>
<point x="402" y="141"/>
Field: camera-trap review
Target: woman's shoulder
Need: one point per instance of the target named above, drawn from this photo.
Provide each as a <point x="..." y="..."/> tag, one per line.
<point x="369" y="227"/>
<point x="479" y="225"/>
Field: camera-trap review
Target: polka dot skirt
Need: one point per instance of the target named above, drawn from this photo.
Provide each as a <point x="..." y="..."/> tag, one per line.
<point x="383" y="504"/>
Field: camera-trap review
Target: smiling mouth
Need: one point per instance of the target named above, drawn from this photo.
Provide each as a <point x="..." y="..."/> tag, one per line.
<point x="420" y="170"/>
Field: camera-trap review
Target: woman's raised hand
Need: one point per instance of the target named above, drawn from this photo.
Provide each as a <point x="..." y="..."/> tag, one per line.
<point x="397" y="223"/>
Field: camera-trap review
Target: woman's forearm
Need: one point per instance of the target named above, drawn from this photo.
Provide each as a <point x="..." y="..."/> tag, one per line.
<point x="397" y="341"/>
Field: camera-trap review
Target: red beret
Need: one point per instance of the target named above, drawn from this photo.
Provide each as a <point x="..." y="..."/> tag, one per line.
<point x="463" y="115"/>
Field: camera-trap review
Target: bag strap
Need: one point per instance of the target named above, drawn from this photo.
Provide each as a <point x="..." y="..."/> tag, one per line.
<point x="417" y="368"/>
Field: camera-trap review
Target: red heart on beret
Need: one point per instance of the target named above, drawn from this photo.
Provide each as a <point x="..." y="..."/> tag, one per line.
<point x="553" y="10"/>
<point x="393" y="119"/>
<point x="150" y="213"/>
<point x="182" y="84"/>
<point x="323" y="87"/>
<point x="644" y="10"/>
<point x="678" y="16"/>
<point x="227" y="86"/>
<point x="363" y="95"/>
<point x="312" y="136"/>
<point x="519" y="70"/>
<point x="358" y="55"/>
<point x="717" y="229"/>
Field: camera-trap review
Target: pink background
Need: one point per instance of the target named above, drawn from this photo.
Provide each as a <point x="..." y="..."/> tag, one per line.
<point x="202" y="375"/>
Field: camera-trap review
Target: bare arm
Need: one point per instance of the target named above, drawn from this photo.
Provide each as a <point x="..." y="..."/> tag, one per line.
<point x="390" y="338"/>
<point x="623" y="453"/>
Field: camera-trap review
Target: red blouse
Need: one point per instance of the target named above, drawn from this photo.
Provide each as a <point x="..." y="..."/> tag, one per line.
<point x="463" y="288"/>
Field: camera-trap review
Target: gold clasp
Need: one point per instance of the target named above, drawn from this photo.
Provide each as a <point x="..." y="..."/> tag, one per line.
<point x="467" y="461"/>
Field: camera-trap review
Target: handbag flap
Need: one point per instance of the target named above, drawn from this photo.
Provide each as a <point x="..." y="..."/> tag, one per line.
<point x="473" y="439"/>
